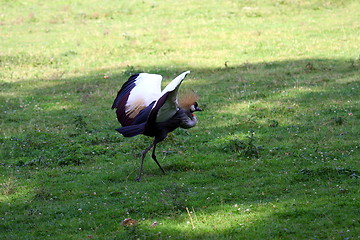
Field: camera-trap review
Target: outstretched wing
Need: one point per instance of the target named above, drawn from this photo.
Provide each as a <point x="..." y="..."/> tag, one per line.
<point x="167" y="105"/>
<point x="135" y="99"/>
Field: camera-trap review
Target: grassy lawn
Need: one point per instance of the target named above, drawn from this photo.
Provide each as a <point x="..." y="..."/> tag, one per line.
<point x="275" y="154"/>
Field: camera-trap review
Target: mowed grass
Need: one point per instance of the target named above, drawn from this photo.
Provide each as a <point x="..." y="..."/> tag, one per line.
<point x="275" y="154"/>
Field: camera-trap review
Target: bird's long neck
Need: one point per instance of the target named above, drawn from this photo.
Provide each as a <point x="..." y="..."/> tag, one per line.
<point x="188" y="120"/>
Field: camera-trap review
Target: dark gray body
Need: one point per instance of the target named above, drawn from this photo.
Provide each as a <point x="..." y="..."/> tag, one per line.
<point x="182" y="118"/>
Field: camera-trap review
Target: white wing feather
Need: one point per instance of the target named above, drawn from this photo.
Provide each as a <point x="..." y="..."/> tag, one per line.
<point x="147" y="90"/>
<point x="175" y="83"/>
<point x="171" y="106"/>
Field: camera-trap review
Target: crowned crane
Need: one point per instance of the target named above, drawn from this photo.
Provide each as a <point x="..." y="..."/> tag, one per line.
<point x="142" y="108"/>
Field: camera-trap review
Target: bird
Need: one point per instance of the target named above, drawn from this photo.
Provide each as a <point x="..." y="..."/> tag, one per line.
<point x="143" y="108"/>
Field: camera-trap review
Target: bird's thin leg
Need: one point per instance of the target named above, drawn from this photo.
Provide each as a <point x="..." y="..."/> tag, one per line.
<point x="142" y="160"/>
<point x="154" y="156"/>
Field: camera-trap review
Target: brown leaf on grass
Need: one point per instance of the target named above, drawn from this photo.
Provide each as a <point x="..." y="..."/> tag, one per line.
<point x="129" y="222"/>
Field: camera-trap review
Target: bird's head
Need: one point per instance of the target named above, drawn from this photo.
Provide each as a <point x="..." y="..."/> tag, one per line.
<point x="189" y="103"/>
<point x="195" y="107"/>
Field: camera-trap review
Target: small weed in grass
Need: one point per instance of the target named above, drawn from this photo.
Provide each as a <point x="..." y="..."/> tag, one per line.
<point x="42" y="194"/>
<point x="246" y="148"/>
<point x="80" y="124"/>
<point x="9" y="186"/>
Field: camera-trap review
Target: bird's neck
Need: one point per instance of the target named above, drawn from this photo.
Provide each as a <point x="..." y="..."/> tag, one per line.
<point x="188" y="120"/>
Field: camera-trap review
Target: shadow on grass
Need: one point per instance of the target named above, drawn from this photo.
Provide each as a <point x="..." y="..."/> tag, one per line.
<point x="302" y="111"/>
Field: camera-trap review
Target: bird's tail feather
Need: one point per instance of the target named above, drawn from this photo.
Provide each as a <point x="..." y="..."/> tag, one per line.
<point x="131" y="131"/>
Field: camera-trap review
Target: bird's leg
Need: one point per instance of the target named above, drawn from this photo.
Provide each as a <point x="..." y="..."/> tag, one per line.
<point x="154" y="156"/>
<point x="142" y="160"/>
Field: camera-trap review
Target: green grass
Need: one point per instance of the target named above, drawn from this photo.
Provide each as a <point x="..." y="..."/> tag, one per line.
<point x="275" y="154"/>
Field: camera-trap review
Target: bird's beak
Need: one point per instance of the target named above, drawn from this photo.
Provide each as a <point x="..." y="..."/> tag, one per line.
<point x="198" y="109"/>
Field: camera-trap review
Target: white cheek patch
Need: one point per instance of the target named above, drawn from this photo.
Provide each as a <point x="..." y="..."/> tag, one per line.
<point x="192" y="108"/>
